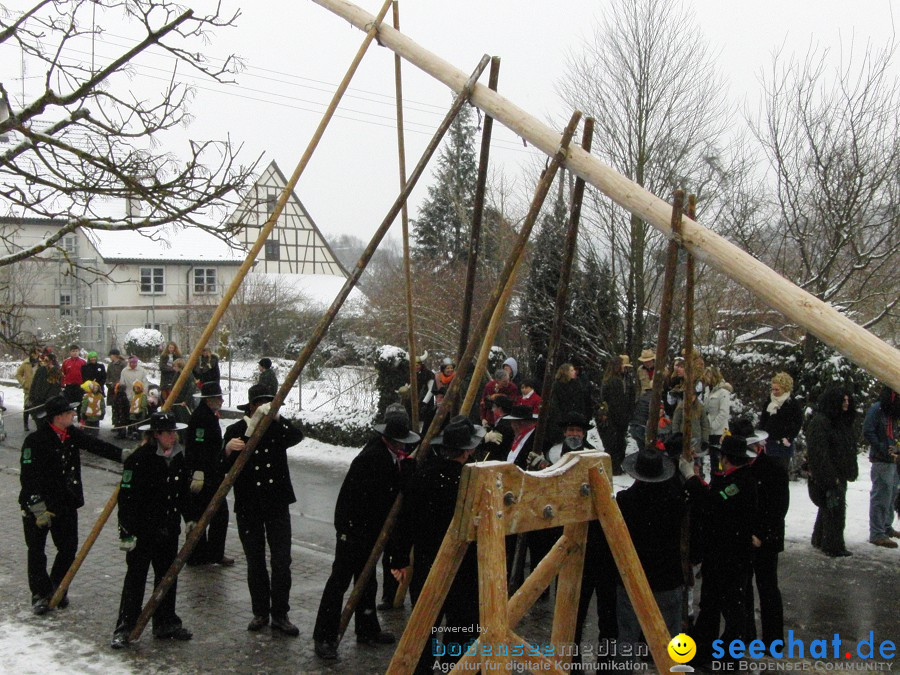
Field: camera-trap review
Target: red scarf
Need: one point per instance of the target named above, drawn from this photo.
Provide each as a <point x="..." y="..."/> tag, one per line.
<point x="63" y="434"/>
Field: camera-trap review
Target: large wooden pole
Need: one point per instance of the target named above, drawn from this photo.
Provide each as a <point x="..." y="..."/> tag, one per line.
<point x="822" y="320"/>
<point x="302" y="359"/>
<point x="464" y="365"/>
<point x="562" y="295"/>
<point x="690" y="392"/>
<point x="477" y="215"/>
<point x="631" y="571"/>
<point x="404" y="221"/>
<point x="665" y="321"/>
<point x="245" y="267"/>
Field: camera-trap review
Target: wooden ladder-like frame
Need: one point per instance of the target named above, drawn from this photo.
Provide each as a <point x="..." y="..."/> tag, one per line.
<point x="498" y="498"/>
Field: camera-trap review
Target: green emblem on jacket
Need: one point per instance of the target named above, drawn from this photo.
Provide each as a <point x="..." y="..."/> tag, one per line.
<point x="126" y="478"/>
<point x="199" y="434"/>
<point x="26" y="455"/>
<point x="730" y="491"/>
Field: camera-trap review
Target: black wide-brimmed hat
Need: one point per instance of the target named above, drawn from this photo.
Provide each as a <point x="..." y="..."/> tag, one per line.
<point x="162" y="421"/>
<point x="210" y="390"/>
<point x="396" y="425"/>
<point x="258" y="393"/>
<point x="735" y="446"/>
<point x="505" y="403"/>
<point x="649" y="465"/>
<point x="744" y="428"/>
<point x="460" y="434"/>
<point x="520" y="412"/>
<point x="575" y="419"/>
<point x="55" y="405"/>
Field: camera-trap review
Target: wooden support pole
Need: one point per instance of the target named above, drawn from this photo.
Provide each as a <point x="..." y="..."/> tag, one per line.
<point x="631" y="571"/>
<point x="453" y="390"/>
<point x="425" y="613"/>
<point x="85" y="548"/>
<point x="562" y="295"/>
<point x="533" y="660"/>
<point x="492" y="595"/>
<point x="690" y="392"/>
<point x="820" y="319"/>
<point x="665" y="320"/>
<point x="404" y="221"/>
<point x="245" y="267"/>
<point x="568" y="595"/>
<point x="302" y="359"/>
<point x="536" y="583"/>
<point x="477" y="215"/>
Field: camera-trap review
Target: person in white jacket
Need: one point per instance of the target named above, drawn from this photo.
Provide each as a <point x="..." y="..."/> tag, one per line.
<point x="718" y="410"/>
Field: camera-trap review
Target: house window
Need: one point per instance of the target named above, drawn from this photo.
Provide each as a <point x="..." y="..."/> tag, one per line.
<point x="273" y="250"/>
<point x="65" y="305"/>
<point x="152" y="280"/>
<point x="154" y="326"/>
<point x="205" y="280"/>
<point x="70" y="244"/>
<point x="271" y="200"/>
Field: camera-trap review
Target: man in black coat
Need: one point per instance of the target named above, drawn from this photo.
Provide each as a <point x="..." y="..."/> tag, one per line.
<point x="203" y="454"/>
<point x="262" y="494"/>
<point x="653" y="508"/>
<point x="153" y="497"/>
<point x="52" y="493"/>
<point x="773" y="500"/>
<point x="370" y="487"/>
<point x="729" y="515"/>
<point x="267" y="378"/>
<point x="428" y="507"/>
<point x="207" y="368"/>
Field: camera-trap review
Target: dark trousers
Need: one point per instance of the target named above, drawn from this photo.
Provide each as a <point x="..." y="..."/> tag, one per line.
<point x="764" y="566"/>
<point x="26" y="413"/>
<point x="389" y="584"/>
<point x="599" y="577"/>
<point x="828" y="532"/>
<point x="255" y="529"/>
<point x="211" y="545"/>
<point x="350" y="557"/>
<point x="614" y="443"/>
<point x="722" y="595"/>
<point x="158" y="551"/>
<point x="64" y="532"/>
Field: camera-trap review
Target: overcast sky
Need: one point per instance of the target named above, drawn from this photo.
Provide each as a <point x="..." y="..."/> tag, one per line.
<point x="296" y="52"/>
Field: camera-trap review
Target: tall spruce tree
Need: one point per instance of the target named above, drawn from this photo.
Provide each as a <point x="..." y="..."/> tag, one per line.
<point x="593" y="330"/>
<point x="541" y="286"/>
<point x="444" y="221"/>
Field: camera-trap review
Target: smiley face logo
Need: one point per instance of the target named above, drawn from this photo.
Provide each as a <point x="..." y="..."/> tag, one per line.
<point x="682" y="648"/>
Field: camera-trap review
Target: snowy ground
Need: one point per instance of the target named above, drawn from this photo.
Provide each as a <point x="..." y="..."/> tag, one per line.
<point x="25" y="650"/>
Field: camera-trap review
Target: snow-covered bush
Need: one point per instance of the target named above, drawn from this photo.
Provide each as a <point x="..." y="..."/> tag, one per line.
<point x="341" y="426"/>
<point x="392" y="364"/>
<point x="145" y="343"/>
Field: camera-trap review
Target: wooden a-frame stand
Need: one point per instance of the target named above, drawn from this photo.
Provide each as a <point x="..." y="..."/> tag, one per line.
<point x="497" y="499"/>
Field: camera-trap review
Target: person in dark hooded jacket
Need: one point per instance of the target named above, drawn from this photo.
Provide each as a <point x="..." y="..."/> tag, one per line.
<point x="831" y="448"/>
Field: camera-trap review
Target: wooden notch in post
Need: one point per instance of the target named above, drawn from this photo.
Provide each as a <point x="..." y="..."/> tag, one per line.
<point x="404" y="221"/>
<point x="302" y="359"/>
<point x="246" y="266"/>
<point x="464" y="366"/>
<point x="665" y="318"/>
<point x="477" y="216"/>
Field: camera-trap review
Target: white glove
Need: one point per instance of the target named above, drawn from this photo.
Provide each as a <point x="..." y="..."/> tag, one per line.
<point x="403" y="390"/>
<point x="189" y="525"/>
<point x="264" y="409"/>
<point x="686" y="467"/>
<point x="493" y="437"/>
<point x="197" y="482"/>
<point x="127" y="543"/>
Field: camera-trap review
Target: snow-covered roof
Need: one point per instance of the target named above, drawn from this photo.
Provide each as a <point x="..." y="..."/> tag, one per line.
<point x="180" y="245"/>
<point x="319" y="289"/>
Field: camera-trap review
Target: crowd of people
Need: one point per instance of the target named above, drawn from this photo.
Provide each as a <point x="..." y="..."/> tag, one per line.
<point x="727" y="530"/>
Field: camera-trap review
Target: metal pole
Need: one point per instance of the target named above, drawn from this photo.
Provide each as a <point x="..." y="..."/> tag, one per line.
<point x="464" y="364"/>
<point x="665" y="319"/>
<point x="319" y="333"/>
<point x="477" y="215"/>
